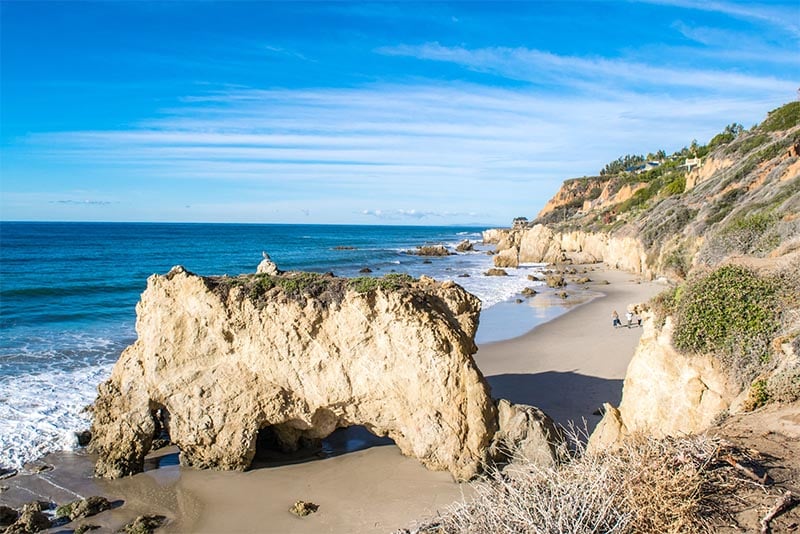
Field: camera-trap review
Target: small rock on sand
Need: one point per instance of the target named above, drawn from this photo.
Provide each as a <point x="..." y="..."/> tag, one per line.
<point x="303" y="508"/>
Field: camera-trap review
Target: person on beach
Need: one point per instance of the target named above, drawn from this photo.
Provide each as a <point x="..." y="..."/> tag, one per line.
<point x="629" y="317"/>
<point x="615" y="319"/>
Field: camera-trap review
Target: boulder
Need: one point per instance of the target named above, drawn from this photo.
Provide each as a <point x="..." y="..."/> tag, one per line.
<point x="529" y="292"/>
<point x="430" y="250"/>
<point x="267" y="266"/>
<point x="218" y="359"/>
<point x="506" y="258"/>
<point x="465" y="246"/>
<point x="83" y="508"/>
<point x="496" y="272"/>
<point x="555" y="280"/>
<point x="494" y="235"/>
<point x="144" y="524"/>
<point x="527" y="435"/>
<point x="31" y="519"/>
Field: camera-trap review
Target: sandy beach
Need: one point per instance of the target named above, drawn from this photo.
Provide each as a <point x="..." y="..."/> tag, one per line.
<point x="568" y="367"/>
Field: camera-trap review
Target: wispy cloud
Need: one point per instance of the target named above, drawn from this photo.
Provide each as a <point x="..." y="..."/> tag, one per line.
<point x="778" y="16"/>
<point x="72" y="202"/>
<point x="454" y="152"/>
<point x="416" y="214"/>
<point x="595" y="74"/>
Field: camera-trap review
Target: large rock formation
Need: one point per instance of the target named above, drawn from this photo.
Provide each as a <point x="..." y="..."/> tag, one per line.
<point x="666" y="393"/>
<point x="541" y="244"/>
<point x="218" y="359"/>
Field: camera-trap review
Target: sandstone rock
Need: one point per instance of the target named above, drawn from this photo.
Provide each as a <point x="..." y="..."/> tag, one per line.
<point x="144" y="524"/>
<point x="494" y="235"/>
<point x="496" y="272"/>
<point x="555" y="280"/>
<point x="666" y="393"/>
<point x="267" y="266"/>
<point x="506" y="258"/>
<point x="526" y="434"/>
<point x="303" y="508"/>
<point x="430" y="250"/>
<point x="465" y="246"/>
<point x="83" y="508"/>
<point x="31" y="519"/>
<point x="529" y="292"/>
<point x="222" y="358"/>
<point x="540" y="244"/>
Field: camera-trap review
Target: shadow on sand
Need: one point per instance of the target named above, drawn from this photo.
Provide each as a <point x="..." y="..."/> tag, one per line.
<point x="565" y="397"/>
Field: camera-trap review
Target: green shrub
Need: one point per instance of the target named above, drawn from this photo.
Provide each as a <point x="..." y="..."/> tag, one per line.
<point x="667" y="224"/>
<point x="748" y="143"/>
<point x="664" y="304"/>
<point x="785" y="386"/>
<point x="677" y="261"/>
<point x="749" y="234"/>
<point x="731" y="312"/>
<point x="758" y="395"/>
<point x="676" y="186"/>
<point x="721" y="139"/>
<point x="724" y="205"/>
<point x="783" y="118"/>
<point x="365" y="284"/>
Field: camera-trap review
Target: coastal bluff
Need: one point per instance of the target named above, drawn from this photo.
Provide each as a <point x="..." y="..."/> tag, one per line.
<point x="220" y="360"/>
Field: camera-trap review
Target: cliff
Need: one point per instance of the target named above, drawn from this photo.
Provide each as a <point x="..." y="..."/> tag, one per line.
<point x="742" y="199"/>
<point x="219" y="361"/>
<point x="726" y="232"/>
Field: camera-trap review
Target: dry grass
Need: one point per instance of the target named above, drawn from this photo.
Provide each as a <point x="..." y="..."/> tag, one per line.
<point x="645" y="486"/>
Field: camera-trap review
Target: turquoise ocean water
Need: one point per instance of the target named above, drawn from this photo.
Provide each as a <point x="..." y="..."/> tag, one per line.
<point x="68" y="293"/>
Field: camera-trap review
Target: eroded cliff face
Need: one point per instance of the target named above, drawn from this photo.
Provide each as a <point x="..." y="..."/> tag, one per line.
<point x="215" y="365"/>
<point x="541" y="244"/>
<point x="666" y="393"/>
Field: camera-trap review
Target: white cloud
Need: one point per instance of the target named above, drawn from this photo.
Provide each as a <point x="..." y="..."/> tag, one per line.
<point x="454" y="152"/>
<point x="778" y="16"/>
<point x="595" y="74"/>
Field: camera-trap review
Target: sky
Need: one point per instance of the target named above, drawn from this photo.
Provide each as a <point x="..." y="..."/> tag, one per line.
<point x="463" y="113"/>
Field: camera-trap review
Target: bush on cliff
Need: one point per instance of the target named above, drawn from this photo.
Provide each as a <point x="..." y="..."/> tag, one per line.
<point x="782" y="118"/>
<point x="731" y="312"/>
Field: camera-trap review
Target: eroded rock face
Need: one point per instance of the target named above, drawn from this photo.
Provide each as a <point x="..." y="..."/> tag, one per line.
<point x="218" y="363"/>
<point x="540" y="244"/>
<point x="665" y="393"/>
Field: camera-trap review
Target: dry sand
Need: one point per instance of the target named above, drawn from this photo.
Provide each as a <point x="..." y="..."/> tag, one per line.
<point x="568" y="367"/>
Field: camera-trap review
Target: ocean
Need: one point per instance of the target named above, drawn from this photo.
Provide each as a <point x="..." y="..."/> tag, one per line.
<point x="68" y="293"/>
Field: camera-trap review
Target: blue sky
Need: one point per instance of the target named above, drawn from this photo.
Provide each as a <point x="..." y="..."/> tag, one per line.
<point x="364" y="113"/>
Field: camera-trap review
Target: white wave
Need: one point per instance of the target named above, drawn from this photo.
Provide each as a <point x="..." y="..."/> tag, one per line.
<point x="40" y="413"/>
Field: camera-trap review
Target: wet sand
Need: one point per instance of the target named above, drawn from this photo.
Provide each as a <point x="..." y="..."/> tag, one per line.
<point x="568" y="367"/>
